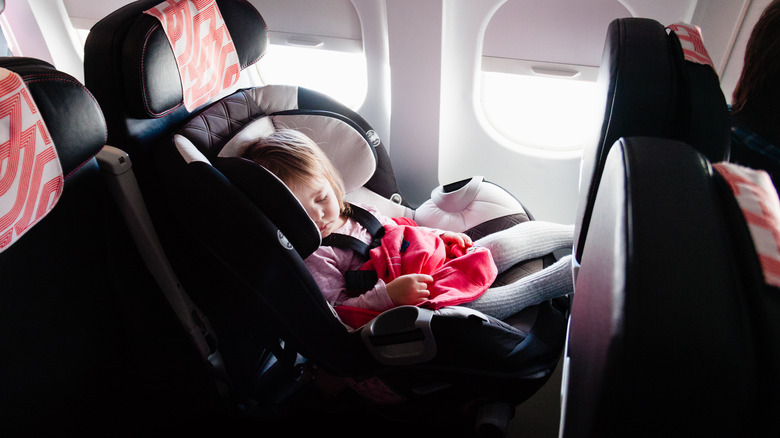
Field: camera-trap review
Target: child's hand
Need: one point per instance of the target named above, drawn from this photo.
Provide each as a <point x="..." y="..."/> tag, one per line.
<point x="409" y="289"/>
<point x="459" y="239"/>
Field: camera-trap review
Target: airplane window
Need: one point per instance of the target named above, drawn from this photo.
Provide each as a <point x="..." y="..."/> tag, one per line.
<point x="316" y="44"/>
<point x="540" y="112"/>
<point x="539" y="71"/>
<point x="339" y="74"/>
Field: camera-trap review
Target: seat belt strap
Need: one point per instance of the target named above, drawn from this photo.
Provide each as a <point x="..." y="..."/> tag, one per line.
<point x="367" y="221"/>
<point x="359" y="281"/>
<point x="347" y="242"/>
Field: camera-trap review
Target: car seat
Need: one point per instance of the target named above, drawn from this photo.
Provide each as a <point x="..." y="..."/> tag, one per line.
<point x="652" y="87"/>
<point x="673" y="329"/>
<point x="89" y="346"/>
<point x="238" y="237"/>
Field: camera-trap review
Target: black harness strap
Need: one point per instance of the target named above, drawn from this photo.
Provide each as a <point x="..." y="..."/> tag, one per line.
<point x="359" y="281"/>
<point x="369" y="222"/>
<point x="348" y="242"/>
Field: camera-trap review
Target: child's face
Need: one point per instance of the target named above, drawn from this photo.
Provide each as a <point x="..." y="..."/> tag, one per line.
<point x="319" y="200"/>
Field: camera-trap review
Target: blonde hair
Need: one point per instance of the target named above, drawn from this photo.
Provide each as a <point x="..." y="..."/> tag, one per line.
<point x="296" y="159"/>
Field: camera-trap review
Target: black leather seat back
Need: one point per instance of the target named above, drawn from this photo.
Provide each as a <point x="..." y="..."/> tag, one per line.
<point x="661" y="342"/>
<point x="649" y="89"/>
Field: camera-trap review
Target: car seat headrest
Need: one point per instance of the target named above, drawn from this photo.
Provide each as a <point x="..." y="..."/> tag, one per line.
<point x="52" y="112"/>
<point x="758" y="200"/>
<point x="229" y="126"/>
<point x="218" y="135"/>
<point x="269" y="193"/>
<point x="347" y="149"/>
<point x="154" y="86"/>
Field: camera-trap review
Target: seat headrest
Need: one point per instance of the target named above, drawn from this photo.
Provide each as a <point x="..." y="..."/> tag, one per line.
<point x="51" y="126"/>
<point x="72" y="115"/>
<point x="703" y="116"/>
<point x="150" y="64"/>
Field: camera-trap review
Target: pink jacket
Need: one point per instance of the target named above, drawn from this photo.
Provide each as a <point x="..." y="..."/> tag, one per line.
<point x="458" y="278"/>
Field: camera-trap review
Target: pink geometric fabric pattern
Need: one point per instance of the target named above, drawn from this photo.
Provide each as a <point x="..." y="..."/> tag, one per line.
<point x="692" y="43"/>
<point x="759" y="202"/>
<point x="205" y="54"/>
<point x="30" y="172"/>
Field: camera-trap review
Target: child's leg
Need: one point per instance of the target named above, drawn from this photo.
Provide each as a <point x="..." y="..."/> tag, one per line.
<point x="525" y="241"/>
<point x="504" y="301"/>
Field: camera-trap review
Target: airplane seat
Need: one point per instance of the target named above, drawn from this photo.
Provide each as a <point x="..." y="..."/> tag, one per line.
<point x="653" y="84"/>
<point x="85" y="348"/>
<point x="238" y="237"/>
<point x="678" y="346"/>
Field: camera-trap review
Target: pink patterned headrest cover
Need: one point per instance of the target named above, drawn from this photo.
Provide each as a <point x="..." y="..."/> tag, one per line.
<point x="205" y="55"/>
<point x="757" y="197"/>
<point x="692" y="43"/>
<point x="30" y="173"/>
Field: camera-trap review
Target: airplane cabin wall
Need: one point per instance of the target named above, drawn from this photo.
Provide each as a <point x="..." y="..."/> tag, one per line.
<point x="374" y="26"/>
<point x="415" y="72"/>
<point x="26" y="30"/>
<point x="546" y="184"/>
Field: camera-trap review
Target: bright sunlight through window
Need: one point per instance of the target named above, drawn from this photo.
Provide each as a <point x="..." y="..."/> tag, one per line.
<point x="340" y="75"/>
<point x="541" y="112"/>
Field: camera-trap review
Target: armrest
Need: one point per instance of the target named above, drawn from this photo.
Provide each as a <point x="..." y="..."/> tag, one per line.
<point x="465" y="204"/>
<point x="401" y="336"/>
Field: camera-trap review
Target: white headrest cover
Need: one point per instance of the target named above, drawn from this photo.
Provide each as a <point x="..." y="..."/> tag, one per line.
<point x="346" y="148"/>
